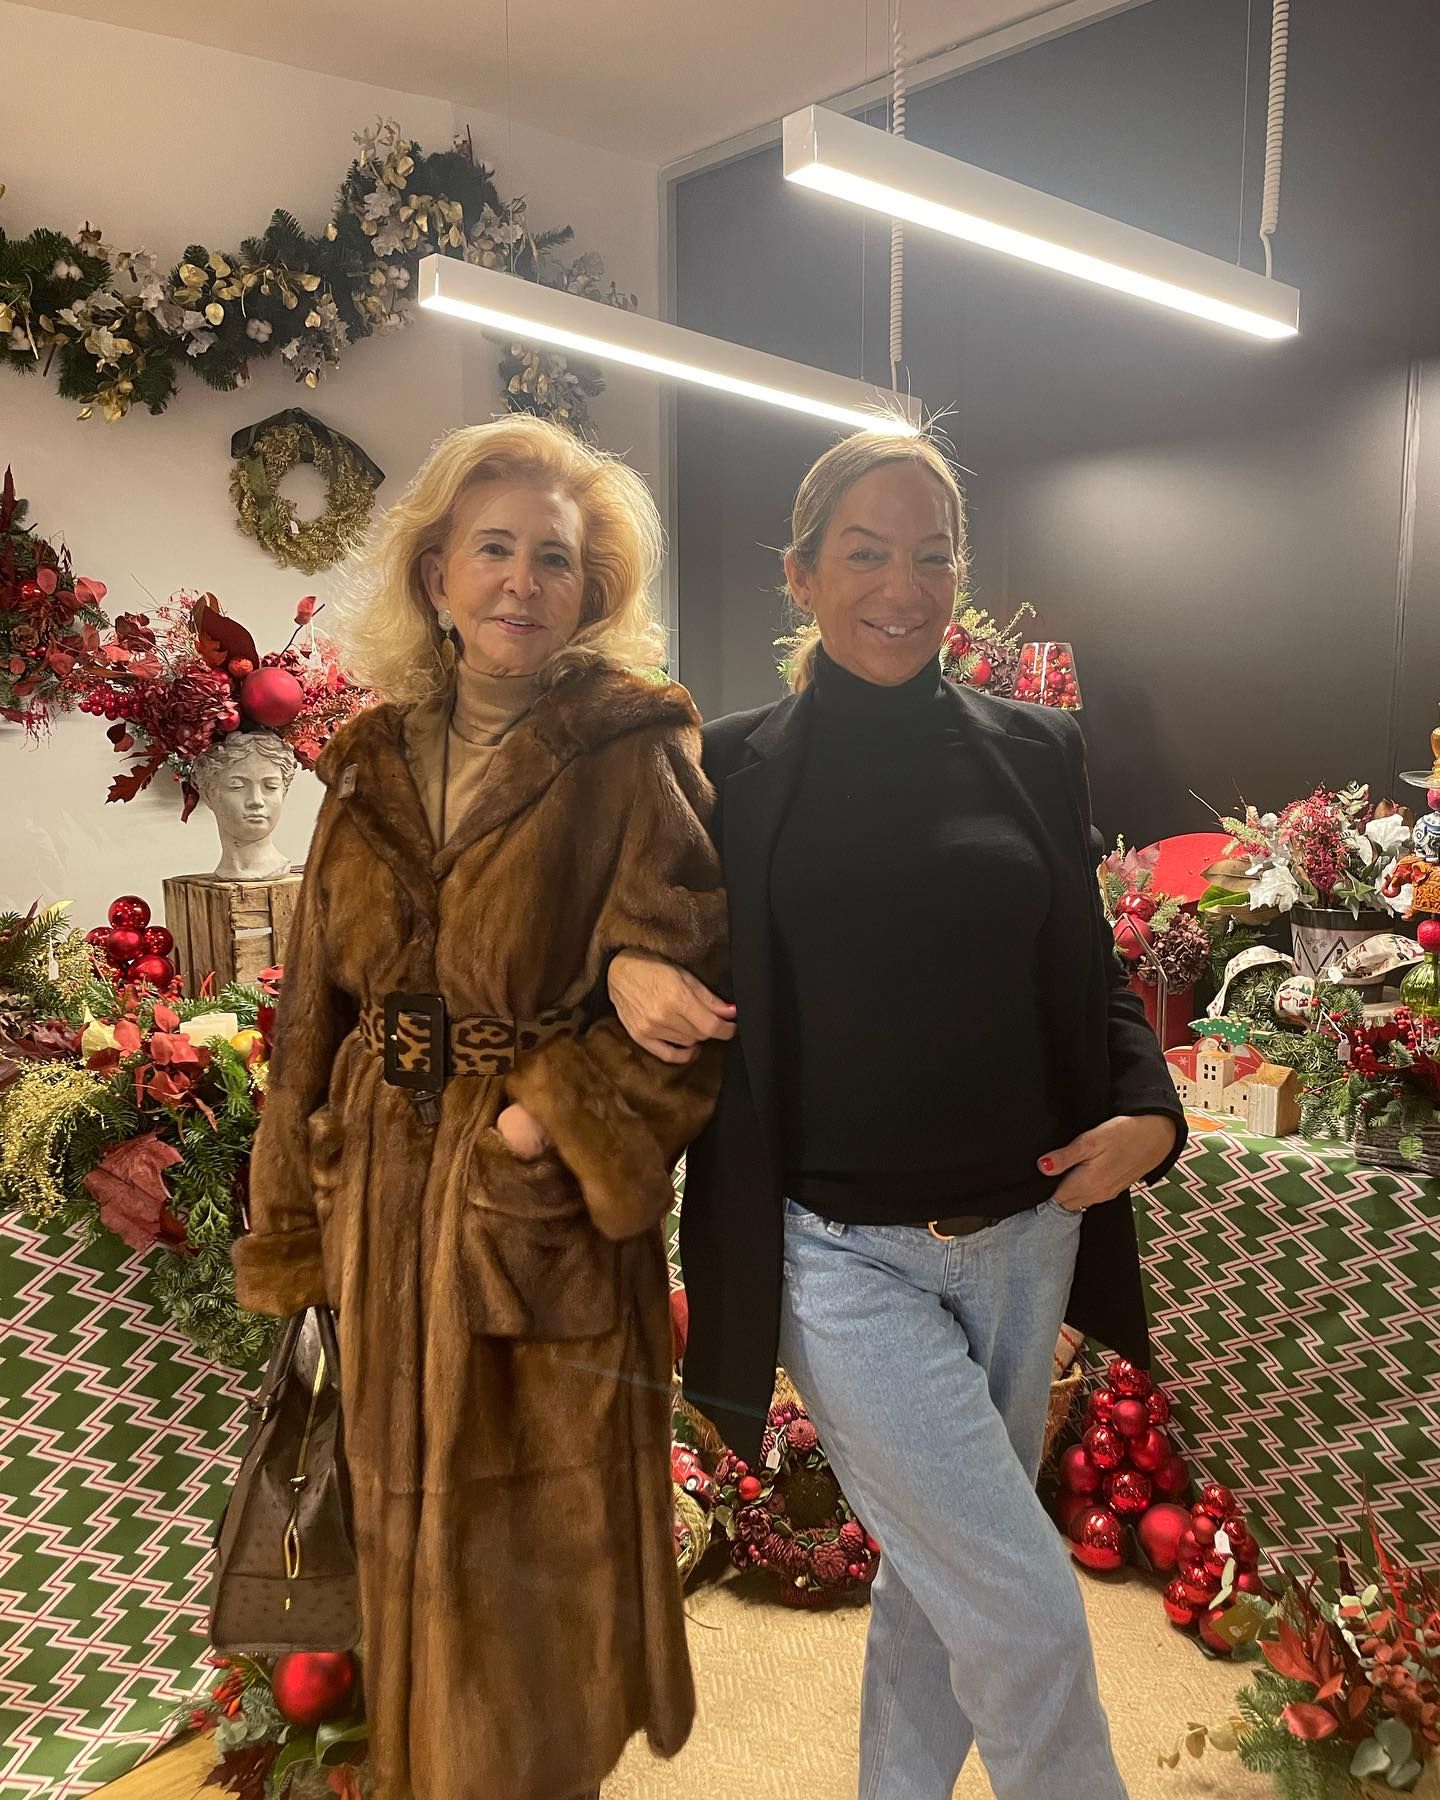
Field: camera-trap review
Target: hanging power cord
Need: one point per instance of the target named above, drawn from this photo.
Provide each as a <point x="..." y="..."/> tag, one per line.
<point x="897" y="229"/>
<point x="1275" y="124"/>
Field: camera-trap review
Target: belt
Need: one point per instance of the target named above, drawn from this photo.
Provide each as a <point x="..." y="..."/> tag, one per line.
<point x="422" y="1047"/>
<point x="962" y="1226"/>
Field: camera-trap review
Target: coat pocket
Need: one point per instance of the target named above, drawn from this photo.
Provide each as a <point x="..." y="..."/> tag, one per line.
<point x="534" y="1266"/>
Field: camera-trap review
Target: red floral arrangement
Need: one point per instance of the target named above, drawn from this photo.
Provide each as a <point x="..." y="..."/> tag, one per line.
<point x="1317" y="831"/>
<point x="171" y="691"/>
<point x="792" y="1517"/>
<point x="50" y="619"/>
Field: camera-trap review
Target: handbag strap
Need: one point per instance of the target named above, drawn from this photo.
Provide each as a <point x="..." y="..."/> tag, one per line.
<point x="283" y="1359"/>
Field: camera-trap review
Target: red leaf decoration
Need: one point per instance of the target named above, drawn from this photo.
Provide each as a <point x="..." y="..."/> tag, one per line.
<point x="1287" y="1656"/>
<point x="305" y="610"/>
<point x="165" y="1019"/>
<point x="130" y="1188"/>
<point x="1303" y="1720"/>
<point x="229" y="635"/>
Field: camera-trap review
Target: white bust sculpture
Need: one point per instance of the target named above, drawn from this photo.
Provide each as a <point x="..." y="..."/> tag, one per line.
<point x="244" y="779"/>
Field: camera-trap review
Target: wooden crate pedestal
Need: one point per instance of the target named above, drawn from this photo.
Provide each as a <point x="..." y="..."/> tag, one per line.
<point x="232" y="929"/>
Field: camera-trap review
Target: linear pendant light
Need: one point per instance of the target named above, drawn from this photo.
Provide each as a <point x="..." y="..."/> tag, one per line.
<point x="536" y="314"/>
<point x="841" y="156"/>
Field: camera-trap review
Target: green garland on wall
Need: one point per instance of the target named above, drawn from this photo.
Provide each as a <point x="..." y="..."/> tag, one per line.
<point x="117" y="331"/>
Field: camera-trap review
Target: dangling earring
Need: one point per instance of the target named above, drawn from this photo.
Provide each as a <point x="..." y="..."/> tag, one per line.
<point x="450" y="637"/>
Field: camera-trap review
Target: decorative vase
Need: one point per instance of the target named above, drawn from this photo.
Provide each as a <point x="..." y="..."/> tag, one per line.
<point x="1174" y="1028"/>
<point x="1321" y="933"/>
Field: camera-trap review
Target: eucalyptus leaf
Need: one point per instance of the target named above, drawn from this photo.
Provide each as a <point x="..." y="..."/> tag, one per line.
<point x="294" y="1755"/>
<point x="1370" y="1758"/>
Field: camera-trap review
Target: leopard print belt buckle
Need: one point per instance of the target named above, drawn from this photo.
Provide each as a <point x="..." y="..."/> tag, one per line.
<point x="416" y="1042"/>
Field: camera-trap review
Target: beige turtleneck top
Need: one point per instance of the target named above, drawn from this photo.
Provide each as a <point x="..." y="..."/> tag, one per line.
<point x="476" y="714"/>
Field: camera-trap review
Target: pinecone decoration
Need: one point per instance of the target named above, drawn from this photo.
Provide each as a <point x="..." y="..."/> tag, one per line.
<point x="831" y="1564"/>
<point x="802" y="1437"/>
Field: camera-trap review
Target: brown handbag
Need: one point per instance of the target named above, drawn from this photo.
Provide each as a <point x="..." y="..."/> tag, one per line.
<point x="285" y="1575"/>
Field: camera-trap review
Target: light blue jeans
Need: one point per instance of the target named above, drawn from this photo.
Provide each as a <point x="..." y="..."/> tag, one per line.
<point x="926" y="1367"/>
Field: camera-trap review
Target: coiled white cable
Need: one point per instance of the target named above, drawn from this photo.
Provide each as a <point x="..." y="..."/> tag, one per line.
<point x="897" y="229"/>
<point x="1275" y="124"/>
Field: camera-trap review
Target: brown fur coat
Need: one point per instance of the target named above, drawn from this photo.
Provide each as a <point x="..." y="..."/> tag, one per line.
<point x="504" y="1327"/>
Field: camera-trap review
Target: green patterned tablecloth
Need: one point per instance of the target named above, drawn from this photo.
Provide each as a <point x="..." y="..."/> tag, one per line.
<point x="117" y="1442"/>
<point x="1296" y="1319"/>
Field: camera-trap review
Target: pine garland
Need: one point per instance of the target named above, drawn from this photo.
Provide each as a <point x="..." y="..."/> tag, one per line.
<point x="119" y="331"/>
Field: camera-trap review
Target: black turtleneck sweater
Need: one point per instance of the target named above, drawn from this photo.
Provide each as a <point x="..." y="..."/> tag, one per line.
<point x="907" y="900"/>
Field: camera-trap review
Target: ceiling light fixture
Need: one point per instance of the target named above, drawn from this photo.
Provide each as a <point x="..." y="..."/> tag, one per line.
<point x="840" y="156"/>
<point x="536" y="314"/>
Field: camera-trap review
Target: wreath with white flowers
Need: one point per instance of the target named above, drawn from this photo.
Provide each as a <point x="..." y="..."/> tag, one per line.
<point x="266" y="453"/>
<point x="791" y="1517"/>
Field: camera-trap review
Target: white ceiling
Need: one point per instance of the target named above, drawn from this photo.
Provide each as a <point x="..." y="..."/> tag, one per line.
<point x="653" y="79"/>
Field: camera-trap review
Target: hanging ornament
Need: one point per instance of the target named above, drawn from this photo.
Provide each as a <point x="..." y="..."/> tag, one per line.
<point x="313" y="1687"/>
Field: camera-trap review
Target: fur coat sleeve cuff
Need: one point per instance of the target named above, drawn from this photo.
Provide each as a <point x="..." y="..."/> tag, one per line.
<point x="279" y="1272"/>
<point x="599" y="1136"/>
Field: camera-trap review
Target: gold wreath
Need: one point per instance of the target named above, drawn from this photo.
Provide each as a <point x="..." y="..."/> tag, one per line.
<point x="266" y="515"/>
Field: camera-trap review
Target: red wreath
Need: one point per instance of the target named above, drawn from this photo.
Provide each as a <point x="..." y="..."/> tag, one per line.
<point x="792" y="1517"/>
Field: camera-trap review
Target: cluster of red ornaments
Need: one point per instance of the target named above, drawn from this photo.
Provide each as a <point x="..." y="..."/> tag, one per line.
<point x="1133" y="929"/>
<point x="1125" y="1473"/>
<point x="1047" y="676"/>
<point x="136" y="950"/>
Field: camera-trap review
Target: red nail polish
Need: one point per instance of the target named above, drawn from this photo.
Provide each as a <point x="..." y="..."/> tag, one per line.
<point x="1047" y="1163"/>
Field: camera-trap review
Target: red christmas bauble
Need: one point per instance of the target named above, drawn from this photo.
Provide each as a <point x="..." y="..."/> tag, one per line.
<point x="1099" y="1539"/>
<point x="1102" y="1405"/>
<point x="1157" y="1406"/>
<point x="1160" y="1530"/>
<point x="1104" y="1446"/>
<point x="1126" y="1379"/>
<point x="982" y="674"/>
<point x="1128" y="1417"/>
<point x="1216" y="1500"/>
<point x="1179" y="1608"/>
<point x="1070" y="1508"/>
<point x="1078" y="1475"/>
<point x="750" y="1486"/>
<point x="1248" y="1582"/>
<point x="1211" y="1637"/>
<point x="1200" y="1585"/>
<point x="99" y="938"/>
<point x="129" y="911"/>
<point x="1132" y="934"/>
<point x="1152" y="1451"/>
<point x="271" y="697"/>
<point x="1139" y="906"/>
<point x="312" y="1687"/>
<point x="158" y="941"/>
<point x="159" y="971"/>
<point x="1427" y="934"/>
<point x="1172" y="1479"/>
<point x="1215" y="1562"/>
<point x="1203" y="1527"/>
<point x="123" y="945"/>
<point x="1128" y="1491"/>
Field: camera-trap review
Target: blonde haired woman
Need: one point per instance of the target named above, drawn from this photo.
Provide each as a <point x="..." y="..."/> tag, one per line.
<point x="940" y="1092"/>
<point x="469" y="1160"/>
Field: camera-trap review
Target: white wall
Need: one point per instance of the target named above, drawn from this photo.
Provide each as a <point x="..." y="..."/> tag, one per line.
<point x="168" y="143"/>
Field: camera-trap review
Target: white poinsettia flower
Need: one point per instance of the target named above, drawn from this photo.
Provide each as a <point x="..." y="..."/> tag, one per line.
<point x="1389" y="834"/>
<point x="1276" y="887"/>
<point x="1362" y="846"/>
<point x="205" y="1028"/>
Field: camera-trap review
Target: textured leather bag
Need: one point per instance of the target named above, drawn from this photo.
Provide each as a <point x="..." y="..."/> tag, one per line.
<point x="285" y="1576"/>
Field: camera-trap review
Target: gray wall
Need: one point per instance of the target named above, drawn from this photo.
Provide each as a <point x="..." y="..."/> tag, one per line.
<point x="1217" y="525"/>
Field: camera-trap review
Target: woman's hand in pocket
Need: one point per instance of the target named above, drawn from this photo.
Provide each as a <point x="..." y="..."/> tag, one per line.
<point x="522" y="1133"/>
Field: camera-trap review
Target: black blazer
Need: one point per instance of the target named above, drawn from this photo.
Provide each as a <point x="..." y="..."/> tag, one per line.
<point x="1106" y="1058"/>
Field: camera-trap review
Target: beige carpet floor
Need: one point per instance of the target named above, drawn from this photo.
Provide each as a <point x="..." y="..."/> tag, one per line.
<point x="779" y="1702"/>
